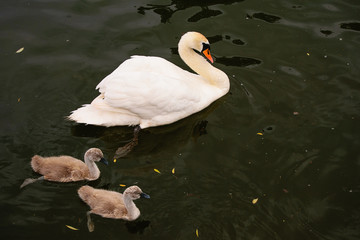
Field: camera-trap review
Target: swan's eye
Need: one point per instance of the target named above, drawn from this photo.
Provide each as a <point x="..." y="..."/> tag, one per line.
<point x="205" y="46"/>
<point x="205" y="52"/>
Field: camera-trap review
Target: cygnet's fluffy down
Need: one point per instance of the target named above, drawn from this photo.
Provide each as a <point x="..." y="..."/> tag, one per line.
<point x="111" y="204"/>
<point x="67" y="168"/>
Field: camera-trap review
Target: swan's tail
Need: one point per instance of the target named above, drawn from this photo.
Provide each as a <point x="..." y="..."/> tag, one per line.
<point x="89" y="114"/>
<point x="85" y="192"/>
<point x="101" y="114"/>
<point x="36" y="163"/>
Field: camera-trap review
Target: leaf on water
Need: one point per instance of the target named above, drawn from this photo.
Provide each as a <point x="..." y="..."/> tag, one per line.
<point x="122" y="185"/>
<point x="254" y="201"/>
<point x="156" y="170"/>
<point x="259" y="133"/>
<point x="72" y="228"/>
<point x="114" y="160"/>
<point x="20" y="50"/>
<point x="308" y="54"/>
<point x="197" y="232"/>
<point x="173" y="171"/>
<point x="19" y="99"/>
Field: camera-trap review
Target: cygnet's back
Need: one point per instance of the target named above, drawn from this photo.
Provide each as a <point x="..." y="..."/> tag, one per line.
<point x="60" y="168"/>
<point x="108" y="204"/>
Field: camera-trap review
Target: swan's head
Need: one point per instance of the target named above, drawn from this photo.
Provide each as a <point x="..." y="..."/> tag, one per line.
<point x="197" y="42"/>
<point x="134" y="192"/>
<point x="95" y="155"/>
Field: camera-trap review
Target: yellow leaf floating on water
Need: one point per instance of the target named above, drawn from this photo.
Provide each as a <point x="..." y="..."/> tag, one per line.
<point x="122" y="185"/>
<point x="72" y="228"/>
<point x="173" y="171"/>
<point x="259" y="133"/>
<point x="19" y="99"/>
<point x="308" y="54"/>
<point x="254" y="201"/>
<point x="156" y="170"/>
<point x="20" y="50"/>
<point x="197" y="232"/>
<point x="114" y="159"/>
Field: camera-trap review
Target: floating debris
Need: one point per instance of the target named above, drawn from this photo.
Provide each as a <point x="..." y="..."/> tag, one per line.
<point x="115" y="160"/>
<point x="254" y="201"/>
<point x="260" y="134"/>
<point x="122" y="185"/>
<point x="156" y="170"/>
<point x="197" y="232"/>
<point x="173" y="171"/>
<point x="20" y="50"/>
<point x="72" y="228"/>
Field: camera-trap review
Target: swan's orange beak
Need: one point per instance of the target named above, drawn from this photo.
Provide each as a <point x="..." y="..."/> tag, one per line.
<point x="207" y="54"/>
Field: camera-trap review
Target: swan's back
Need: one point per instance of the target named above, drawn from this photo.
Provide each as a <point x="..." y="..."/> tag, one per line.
<point x="60" y="168"/>
<point x="103" y="202"/>
<point x="146" y="65"/>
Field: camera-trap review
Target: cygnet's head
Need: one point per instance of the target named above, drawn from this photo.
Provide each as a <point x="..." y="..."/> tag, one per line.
<point x="134" y="192"/>
<point x="95" y="155"/>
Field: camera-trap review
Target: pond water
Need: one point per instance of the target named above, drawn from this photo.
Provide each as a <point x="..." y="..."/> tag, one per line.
<point x="286" y="135"/>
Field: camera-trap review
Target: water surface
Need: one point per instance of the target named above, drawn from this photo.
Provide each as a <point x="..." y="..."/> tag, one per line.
<point x="294" y="71"/>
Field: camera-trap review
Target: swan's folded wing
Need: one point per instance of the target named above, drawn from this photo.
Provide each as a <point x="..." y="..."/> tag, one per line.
<point x="150" y="94"/>
<point x="144" y="64"/>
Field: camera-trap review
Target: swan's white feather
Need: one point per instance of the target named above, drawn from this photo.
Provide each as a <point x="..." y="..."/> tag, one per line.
<point x="147" y="91"/>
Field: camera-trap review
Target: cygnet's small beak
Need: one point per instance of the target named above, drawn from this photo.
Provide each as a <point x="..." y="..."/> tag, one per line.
<point x="207" y="54"/>
<point x="104" y="161"/>
<point x="144" y="195"/>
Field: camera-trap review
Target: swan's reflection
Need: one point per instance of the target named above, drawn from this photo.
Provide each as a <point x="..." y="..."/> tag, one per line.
<point x="167" y="10"/>
<point x="137" y="226"/>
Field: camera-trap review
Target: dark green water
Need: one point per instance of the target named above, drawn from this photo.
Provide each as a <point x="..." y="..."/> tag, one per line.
<point x="294" y="69"/>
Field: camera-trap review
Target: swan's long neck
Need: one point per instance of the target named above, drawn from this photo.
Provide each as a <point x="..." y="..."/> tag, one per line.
<point x="202" y="67"/>
<point x="93" y="168"/>
<point x="133" y="211"/>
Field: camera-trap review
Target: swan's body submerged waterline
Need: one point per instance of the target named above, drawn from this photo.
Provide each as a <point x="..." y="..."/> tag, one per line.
<point x="67" y="168"/>
<point x="151" y="91"/>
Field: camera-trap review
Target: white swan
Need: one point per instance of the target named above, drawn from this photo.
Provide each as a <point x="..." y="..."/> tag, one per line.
<point x="151" y="91"/>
